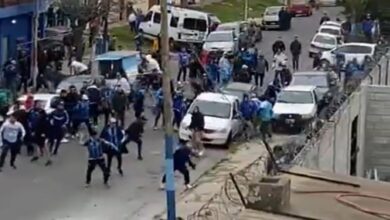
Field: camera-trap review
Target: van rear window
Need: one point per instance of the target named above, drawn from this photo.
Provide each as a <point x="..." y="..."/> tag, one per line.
<point x="195" y="24"/>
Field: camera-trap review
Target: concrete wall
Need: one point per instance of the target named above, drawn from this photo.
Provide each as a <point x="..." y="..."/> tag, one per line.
<point x="330" y="150"/>
<point x="377" y="130"/>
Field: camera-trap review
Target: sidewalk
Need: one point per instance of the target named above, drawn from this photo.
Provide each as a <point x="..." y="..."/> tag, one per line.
<point x="209" y="185"/>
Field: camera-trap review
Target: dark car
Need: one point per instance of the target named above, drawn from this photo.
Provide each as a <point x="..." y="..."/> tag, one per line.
<point x="238" y="89"/>
<point x="326" y="84"/>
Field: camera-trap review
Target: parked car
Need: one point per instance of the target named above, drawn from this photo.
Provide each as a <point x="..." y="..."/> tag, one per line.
<point x="238" y="89"/>
<point x="299" y="8"/>
<point x="226" y="41"/>
<point x="78" y="81"/>
<point x="329" y="29"/>
<point x="326" y="83"/>
<point x="295" y="108"/>
<point x="237" y="27"/>
<point x="332" y="23"/>
<point x="48" y="102"/>
<point x="323" y="42"/>
<point x="221" y="115"/>
<point x="271" y="17"/>
<point x="360" y="51"/>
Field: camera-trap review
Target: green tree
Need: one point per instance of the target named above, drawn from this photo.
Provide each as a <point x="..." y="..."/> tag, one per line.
<point x="80" y="13"/>
<point x="355" y="9"/>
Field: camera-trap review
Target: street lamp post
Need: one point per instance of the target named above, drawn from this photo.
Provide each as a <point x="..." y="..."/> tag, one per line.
<point x="169" y="172"/>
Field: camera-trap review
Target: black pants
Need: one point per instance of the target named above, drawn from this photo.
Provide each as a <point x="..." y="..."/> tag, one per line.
<point x="120" y="117"/>
<point x="55" y="140"/>
<point x="106" y="113"/>
<point x="91" y="167"/>
<point x="117" y="155"/>
<point x="13" y="148"/>
<point x="295" y="62"/>
<point x="257" y="77"/>
<point x="76" y="124"/>
<point x="265" y="129"/>
<point x="182" y="70"/>
<point x="182" y="170"/>
<point x="176" y="119"/>
<point x="136" y="140"/>
<point x="94" y="112"/>
<point x="158" y="115"/>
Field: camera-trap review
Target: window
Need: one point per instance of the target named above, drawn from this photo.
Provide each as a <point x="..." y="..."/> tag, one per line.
<point x="295" y="97"/>
<point x="330" y="31"/>
<point x="322" y="39"/>
<point x="212" y="109"/>
<point x="354" y="49"/>
<point x="174" y="21"/>
<point x="148" y="16"/>
<point x="195" y="24"/>
<point x="157" y="18"/>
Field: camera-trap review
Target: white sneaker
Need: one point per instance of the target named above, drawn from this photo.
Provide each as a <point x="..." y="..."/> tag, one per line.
<point x="155" y="128"/>
<point x="162" y="186"/>
<point x="201" y="153"/>
<point x="188" y="186"/>
<point x="64" y="140"/>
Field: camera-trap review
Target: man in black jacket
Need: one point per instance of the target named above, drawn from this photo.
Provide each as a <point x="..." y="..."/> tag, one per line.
<point x="134" y="134"/>
<point x="296" y="49"/>
<point x="181" y="157"/>
<point x="197" y="127"/>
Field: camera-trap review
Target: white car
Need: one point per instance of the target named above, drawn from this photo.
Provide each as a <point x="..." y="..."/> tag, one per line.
<point x="295" y="107"/>
<point x="323" y="42"/>
<point x="332" y="23"/>
<point x="329" y="29"/>
<point x="221" y="116"/>
<point x="360" y="51"/>
<point x="271" y="17"/>
<point x="47" y="101"/>
<point x="237" y="27"/>
<point x="226" y="41"/>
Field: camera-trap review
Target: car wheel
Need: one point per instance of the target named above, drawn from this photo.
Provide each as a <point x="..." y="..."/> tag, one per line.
<point x="228" y="141"/>
<point x="325" y="62"/>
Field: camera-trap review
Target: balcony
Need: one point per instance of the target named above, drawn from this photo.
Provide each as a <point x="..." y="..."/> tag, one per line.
<point x="7" y="3"/>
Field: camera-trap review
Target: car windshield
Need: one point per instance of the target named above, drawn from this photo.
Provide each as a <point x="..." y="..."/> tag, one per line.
<point x="220" y="37"/>
<point x="212" y="109"/>
<point x="310" y="80"/>
<point x="272" y="11"/>
<point x="234" y="92"/>
<point x="354" y="49"/>
<point x="330" y="31"/>
<point x="325" y="39"/>
<point x="296" y="97"/>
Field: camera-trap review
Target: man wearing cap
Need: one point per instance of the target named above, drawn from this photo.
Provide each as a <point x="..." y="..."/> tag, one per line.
<point x="296" y="49"/>
<point x="58" y="121"/>
<point x="114" y="135"/>
<point x="95" y="147"/>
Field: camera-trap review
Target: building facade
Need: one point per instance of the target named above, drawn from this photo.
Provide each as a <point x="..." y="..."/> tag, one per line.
<point x="16" y="25"/>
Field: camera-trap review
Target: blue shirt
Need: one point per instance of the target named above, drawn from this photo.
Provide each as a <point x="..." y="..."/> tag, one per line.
<point x="266" y="112"/>
<point x="59" y="118"/>
<point x="95" y="149"/>
<point x="184" y="59"/>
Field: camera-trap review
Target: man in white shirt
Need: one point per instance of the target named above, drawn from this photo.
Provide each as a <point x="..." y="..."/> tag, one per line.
<point x="11" y="135"/>
<point x="132" y="19"/>
<point x="78" y="68"/>
<point x="279" y="63"/>
<point x="123" y="84"/>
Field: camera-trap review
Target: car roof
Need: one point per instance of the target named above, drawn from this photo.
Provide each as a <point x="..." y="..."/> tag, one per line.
<point x="239" y="86"/>
<point x="311" y="73"/>
<point x="325" y="34"/>
<point x="39" y="96"/>
<point x="300" y="88"/>
<point x="221" y="32"/>
<point x="329" y="27"/>
<point x="331" y="23"/>
<point x="117" y="55"/>
<point x="359" y="44"/>
<point x="216" y="97"/>
<point x="229" y="24"/>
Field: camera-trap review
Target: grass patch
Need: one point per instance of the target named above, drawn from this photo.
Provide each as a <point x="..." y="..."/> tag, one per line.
<point x="125" y="38"/>
<point x="233" y="10"/>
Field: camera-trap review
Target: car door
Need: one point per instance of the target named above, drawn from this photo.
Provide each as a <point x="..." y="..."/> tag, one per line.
<point x="236" y="119"/>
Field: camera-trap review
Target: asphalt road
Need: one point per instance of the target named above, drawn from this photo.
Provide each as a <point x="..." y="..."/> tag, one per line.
<point x="36" y="192"/>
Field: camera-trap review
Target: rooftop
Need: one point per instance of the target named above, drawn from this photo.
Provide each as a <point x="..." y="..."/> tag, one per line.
<point x="216" y="97"/>
<point x="319" y="199"/>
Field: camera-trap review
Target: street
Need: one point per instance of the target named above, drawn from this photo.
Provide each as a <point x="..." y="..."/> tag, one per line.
<point x="36" y="192"/>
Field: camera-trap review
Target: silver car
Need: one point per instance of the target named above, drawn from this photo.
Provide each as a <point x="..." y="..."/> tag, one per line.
<point x="221" y="40"/>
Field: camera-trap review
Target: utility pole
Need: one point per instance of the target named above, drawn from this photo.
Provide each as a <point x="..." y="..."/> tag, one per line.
<point x="34" y="55"/>
<point x="246" y="10"/>
<point x="170" y="177"/>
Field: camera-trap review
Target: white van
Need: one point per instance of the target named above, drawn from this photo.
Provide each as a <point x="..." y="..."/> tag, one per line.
<point x="184" y="25"/>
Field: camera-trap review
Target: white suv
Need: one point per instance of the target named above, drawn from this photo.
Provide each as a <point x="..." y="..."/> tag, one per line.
<point x="351" y="51"/>
<point x="295" y="108"/>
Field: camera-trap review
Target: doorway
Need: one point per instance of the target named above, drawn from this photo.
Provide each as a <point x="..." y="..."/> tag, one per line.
<point x="354" y="147"/>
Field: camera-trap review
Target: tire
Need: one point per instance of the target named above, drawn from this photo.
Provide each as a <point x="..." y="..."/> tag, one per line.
<point x="324" y="61"/>
<point x="228" y="141"/>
